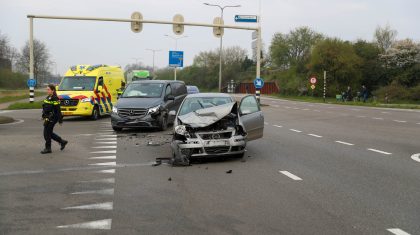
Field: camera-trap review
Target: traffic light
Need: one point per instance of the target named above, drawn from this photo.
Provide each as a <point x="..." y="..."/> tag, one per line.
<point x="136" y="27"/>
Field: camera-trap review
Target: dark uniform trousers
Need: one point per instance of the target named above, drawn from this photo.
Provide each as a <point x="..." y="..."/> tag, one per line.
<point x="49" y="134"/>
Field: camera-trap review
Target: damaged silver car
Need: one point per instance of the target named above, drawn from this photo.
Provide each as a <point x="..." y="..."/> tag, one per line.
<point x="214" y="124"/>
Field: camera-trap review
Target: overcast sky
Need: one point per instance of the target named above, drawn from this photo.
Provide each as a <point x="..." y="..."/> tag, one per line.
<point x="76" y="42"/>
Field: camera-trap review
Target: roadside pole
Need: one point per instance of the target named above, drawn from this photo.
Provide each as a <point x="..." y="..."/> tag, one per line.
<point x="31" y="59"/>
<point x="258" y="75"/>
<point x="325" y="84"/>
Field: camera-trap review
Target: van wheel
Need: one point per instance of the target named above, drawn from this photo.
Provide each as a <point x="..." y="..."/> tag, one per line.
<point x="163" y="122"/>
<point x="117" y="128"/>
<point x="95" y="113"/>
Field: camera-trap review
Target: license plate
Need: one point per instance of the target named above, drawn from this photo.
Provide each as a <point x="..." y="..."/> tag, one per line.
<point x="216" y="143"/>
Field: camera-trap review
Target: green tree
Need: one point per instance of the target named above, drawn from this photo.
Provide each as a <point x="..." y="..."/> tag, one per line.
<point x="293" y="49"/>
<point x="340" y="61"/>
<point x="372" y="72"/>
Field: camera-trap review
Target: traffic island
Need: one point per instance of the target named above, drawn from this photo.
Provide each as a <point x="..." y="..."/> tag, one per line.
<point x="5" y="120"/>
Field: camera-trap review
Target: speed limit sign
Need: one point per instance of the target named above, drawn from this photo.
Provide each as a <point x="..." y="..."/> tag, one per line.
<point x="313" y="80"/>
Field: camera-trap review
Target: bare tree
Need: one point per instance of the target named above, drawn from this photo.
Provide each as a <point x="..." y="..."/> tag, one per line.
<point x="41" y="60"/>
<point x="385" y="37"/>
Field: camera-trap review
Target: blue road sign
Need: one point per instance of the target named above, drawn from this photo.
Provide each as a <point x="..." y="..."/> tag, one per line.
<point x="31" y="82"/>
<point x="176" y="59"/>
<point x="258" y="83"/>
<point x="246" y="18"/>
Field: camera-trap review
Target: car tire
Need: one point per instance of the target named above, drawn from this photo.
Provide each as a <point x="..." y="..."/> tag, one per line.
<point x="240" y="155"/>
<point x="116" y="128"/>
<point x="163" y="122"/>
<point x="95" y="114"/>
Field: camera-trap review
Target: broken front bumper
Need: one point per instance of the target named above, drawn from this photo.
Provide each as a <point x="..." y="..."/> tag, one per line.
<point x="197" y="147"/>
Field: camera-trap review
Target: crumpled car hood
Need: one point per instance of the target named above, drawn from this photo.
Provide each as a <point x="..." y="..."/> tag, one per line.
<point x="208" y="116"/>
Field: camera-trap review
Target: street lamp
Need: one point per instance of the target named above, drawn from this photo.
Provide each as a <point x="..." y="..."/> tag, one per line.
<point x="176" y="47"/>
<point x="222" y="8"/>
<point x="136" y="59"/>
<point x="154" y="51"/>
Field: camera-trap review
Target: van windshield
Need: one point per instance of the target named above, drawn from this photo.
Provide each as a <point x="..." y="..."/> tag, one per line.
<point x="77" y="83"/>
<point x="143" y="90"/>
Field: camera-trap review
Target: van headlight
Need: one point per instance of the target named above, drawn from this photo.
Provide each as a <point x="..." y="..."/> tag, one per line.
<point x="114" y="109"/>
<point x="85" y="100"/>
<point x="181" y="130"/>
<point x="154" y="110"/>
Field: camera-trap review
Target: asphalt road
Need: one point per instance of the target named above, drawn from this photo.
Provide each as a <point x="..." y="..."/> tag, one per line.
<point x="320" y="169"/>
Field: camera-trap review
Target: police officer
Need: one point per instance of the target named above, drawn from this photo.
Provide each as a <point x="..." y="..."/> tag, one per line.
<point x="51" y="114"/>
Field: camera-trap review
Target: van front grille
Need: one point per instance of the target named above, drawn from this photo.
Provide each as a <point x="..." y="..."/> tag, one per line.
<point x="126" y="112"/>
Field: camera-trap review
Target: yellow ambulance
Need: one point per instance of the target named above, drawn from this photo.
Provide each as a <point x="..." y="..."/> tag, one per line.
<point x="90" y="90"/>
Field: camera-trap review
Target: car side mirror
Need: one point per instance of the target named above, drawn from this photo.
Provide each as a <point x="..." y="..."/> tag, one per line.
<point x="170" y="97"/>
<point x="172" y="113"/>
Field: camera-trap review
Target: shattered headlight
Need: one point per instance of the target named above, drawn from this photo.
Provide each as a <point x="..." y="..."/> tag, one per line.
<point x="85" y="100"/>
<point x="154" y="110"/>
<point x="114" y="109"/>
<point x="181" y="130"/>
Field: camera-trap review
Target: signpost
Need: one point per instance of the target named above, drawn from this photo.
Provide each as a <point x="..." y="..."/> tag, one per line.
<point x="246" y="18"/>
<point x="31" y="84"/>
<point x="176" y="59"/>
<point x="259" y="84"/>
<point x="313" y="80"/>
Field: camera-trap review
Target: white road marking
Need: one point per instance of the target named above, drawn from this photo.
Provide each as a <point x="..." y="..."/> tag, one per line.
<point x="265" y="123"/>
<point x="106" y="180"/>
<point x="106" y="139"/>
<point x="103" y="133"/>
<point x="361" y="116"/>
<point x="104" y="164"/>
<point x="276" y="106"/>
<point x="418" y="123"/>
<point x="101" y="191"/>
<point x="416" y="157"/>
<point x="355" y="109"/>
<point x="295" y="108"/>
<point x="400" y="121"/>
<point x="108" y="135"/>
<point x="110" y="171"/>
<point x="316" y="110"/>
<point x="97" y="206"/>
<point x="114" y="142"/>
<point x="98" y="224"/>
<point x="298" y="131"/>
<point x="385" y="112"/>
<point x="379" y="151"/>
<point x="104" y="157"/>
<point x="317" y="136"/>
<point x="107" y="151"/>
<point x="345" y="143"/>
<point x="278" y="126"/>
<point x="104" y="147"/>
<point x="397" y="231"/>
<point x="86" y="134"/>
<point x="290" y="175"/>
<point x="377" y="118"/>
<point x="306" y="109"/>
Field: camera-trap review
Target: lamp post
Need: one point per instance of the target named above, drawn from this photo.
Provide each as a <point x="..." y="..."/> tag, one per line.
<point x="154" y="52"/>
<point x="222" y="8"/>
<point x="136" y="59"/>
<point x="176" y="47"/>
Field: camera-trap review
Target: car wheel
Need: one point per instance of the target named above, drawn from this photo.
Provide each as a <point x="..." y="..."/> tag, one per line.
<point x="95" y="113"/>
<point x="116" y="128"/>
<point x="163" y="122"/>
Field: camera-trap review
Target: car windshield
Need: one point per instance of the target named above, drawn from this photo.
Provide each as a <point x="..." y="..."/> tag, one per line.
<point x="77" y="83"/>
<point x="143" y="90"/>
<point x="195" y="103"/>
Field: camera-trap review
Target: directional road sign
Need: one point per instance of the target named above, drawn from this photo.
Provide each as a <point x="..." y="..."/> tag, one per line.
<point x="312" y="87"/>
<point x="31" y="82"/>
<point x="258" y="83"/>
<point x="246" y="18"/>
<point x="176" y="59"/>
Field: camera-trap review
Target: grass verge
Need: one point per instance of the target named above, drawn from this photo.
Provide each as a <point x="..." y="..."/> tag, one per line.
<point x="310" y="99"/>
<point x="5" y="120"/>
<point x="17" y="95"/>
<point x="25" y="105"/>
